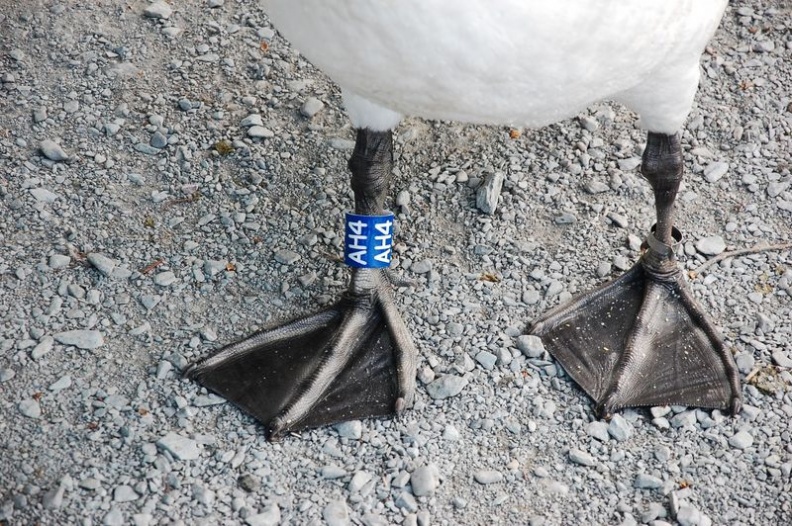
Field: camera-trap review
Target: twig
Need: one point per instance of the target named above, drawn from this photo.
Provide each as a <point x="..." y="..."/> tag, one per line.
<point x="733" y="253"/>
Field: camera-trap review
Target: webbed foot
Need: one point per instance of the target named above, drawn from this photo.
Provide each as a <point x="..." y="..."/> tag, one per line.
<point x="642" y="340"/>
<point x="353" y="360"/>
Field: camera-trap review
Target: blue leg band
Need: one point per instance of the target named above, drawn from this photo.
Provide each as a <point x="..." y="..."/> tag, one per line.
<point x="368" y="240"/>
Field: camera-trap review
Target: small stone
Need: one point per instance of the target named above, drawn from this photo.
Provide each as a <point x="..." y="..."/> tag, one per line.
<point x="603" y="269"/>
<point x="711" y="246"/>
<point x="741" y="440"/>
<point x="124" y="493"/>
<point x="598" y="430"/>
<point x="595" y="187"/>
<point x="39" y="115"/>
<point x="487" y="360"/>
<point x="158" y="140"/>
<point x="249" y="482"/>
<point x="43" y="347"/>
<point x="311" y="107"/>
<point x="271" y="516"/>
<point x="424" y="480"/>
<point x="62" y="383"/>
<point x="683" y="419"/>
<point x="53" y="151"/>
<point x="689" y="516"/>
<point x="421" y="267"/>
<point x="30" y="408"/>
<point x="333" y="472"/>
<point x="102" y="263"/>
<point x="82" y="339"/>
<point x="619" y="220"/>
<point x="336" y="513"/>
<point x="782" y="360"/>
<point x="165" y="279"/>
<point x="113" y="518"/>
<point x="581" y="457"/>
<point x="185" y="104"/>
<point x="530" y="345"/>
<point x="630" y="164"/>
<point x="53" y="499"/>
<point x="644" y="481"/>
<point x="180" y="447"/>
<point x="446" y="386"/>
<point x="619" y="428"/>
<point x="59" y="261"/>
<point x="146" y="149"/>
<point x="486" y="476"/>
<point x="287" y="257"/>
<point x="158" y="10"/>
<point x="714" y="171"/>
<point x="776" y="188"/>
<point x="253" y="119"/>
<point x="352" y="429"/>
<point x="407" y="501"/>
<point x="6" y="375"/>
<point x="488" y="194"/>
<point x="42" y="195"/>
<point x="258" y="132"/>
<point x="359" y="479"/>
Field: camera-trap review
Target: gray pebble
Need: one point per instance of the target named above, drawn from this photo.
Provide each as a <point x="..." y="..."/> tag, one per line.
<point x="62" y="383"/>
<point x="258" y="132"/>
<point x="43" y="347"/>
<point x="487" y="360"/>
<point x="619" y="428"/>
<point x="333" y="472"/>
<point x="530" y="345"/>
<point x="59" y="261"/>
<point x="488" y="194"/>
<point x="683" y="419"/>
<point x="714" y="171"/>
<point x="271" y="516"/>
<point x="249" y="482"/>
<point x="619" y="220"/>
<point x="446" y="386"/>
<point x="359" y="479"/>
<point x="146" y="148"/>
<point x="581" y="457"/>
<point x="407" y="501"/>
<point x="336" y="513"/>
<point x="630" y="164"/>
<point x="287" y="257"/>
<point x="352" y="429"/>
<point x="598" y="430"/>
<point x="775" y="189"/>
<point x="180" y="447"/>
<point x="165" y="279"/>
<point x="53" y="151"/>
<point x="711" y="246"/>
<point x="254" y="119"/>
<point x="782" y="360"/>
<point x="741" y="440"/>
<point x="6" y="374"/>
<point x="644" y="481"/>
<point x="42" y="195"/>
<point x="689" y="516"/>
<point x="311" y="107"/>
<point x="53" y="499"/>
<point x="486" y="476"/>
<point x="185" y="105"/>
<point x="158" y="10"/>
<point x="603" y="269"/>
<point x="124" y="493"/>
<point x="30" y="408"/>
<point x="82" y="339"/>
<point x="158" y="140"/>
<point x="113" y="518"/>
<point x="421" y="267"/>
<point x="424" y="480"/>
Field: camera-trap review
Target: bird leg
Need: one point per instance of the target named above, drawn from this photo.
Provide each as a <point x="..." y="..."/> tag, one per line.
<point x="642" y="339"/>
<point x="353" y="360"/>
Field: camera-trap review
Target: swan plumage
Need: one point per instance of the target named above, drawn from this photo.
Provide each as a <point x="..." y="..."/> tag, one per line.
<point x="510" y="62"/>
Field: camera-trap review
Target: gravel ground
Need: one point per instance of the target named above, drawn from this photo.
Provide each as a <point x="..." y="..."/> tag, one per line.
<point x="159" y="162"/>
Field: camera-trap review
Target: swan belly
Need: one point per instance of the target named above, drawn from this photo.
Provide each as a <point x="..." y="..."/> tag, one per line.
<point x="510" y="62"/>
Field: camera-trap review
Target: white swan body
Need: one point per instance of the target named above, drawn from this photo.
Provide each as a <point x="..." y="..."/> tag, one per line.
<point x="510" y="62"/>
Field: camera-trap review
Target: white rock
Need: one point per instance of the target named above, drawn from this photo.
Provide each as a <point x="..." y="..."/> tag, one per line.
<point x="581" y="457"/>
<point x="30" y="408"/>
<point x="179" y="446"/>
<point x="424" y="480"/>
<point x="336" y="513"/>
<point x="488" y="194"/>
<point x="44" y="346"/>
<point x="311" y="107"/>
<point x="711" y="246"/>
<point x="486" y="476"/>
<point x="102" y="263"/>
<point x="254" y="119"/>
<point x="42" y="195"/>
<point x="619" y="428"/>
<point x="271" y="516"/>
<point x="59" y="261"/>
<point x="260" y="132"/>
<point x="158" y="10"/>
<point x="53" y="151"/>
<point x="352" y="429"/>
<point x="82" y="339"/>
<point x="530" y="345"/>
<point x="714" y="171"/>
<point x="446" y="386"/>
<point x="741" y="440"/>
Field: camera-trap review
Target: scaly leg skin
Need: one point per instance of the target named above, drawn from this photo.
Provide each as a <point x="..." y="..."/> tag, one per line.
<point x="642" y="339"/>
<point x="353" y="360"/>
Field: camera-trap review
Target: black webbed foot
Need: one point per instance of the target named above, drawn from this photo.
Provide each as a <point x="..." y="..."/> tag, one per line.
<point x="353" y="360"/>
<point x="642" y="340"/>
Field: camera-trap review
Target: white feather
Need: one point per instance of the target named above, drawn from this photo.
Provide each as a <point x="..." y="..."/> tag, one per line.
<point x="510" y="62"/>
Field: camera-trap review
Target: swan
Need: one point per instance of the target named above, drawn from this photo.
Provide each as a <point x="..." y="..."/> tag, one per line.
<point x="639" y="340"/>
